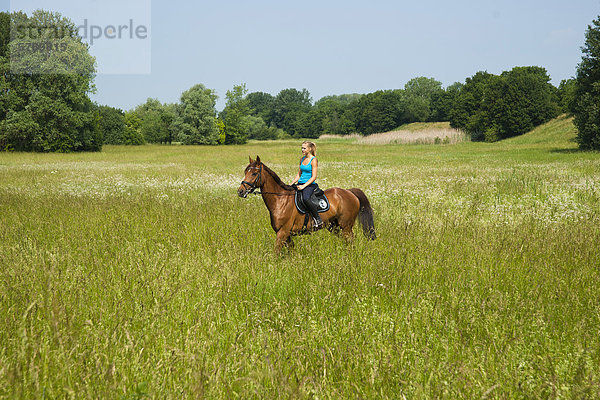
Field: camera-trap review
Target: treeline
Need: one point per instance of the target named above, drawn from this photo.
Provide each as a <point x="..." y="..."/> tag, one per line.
<point x="194" y="120"/>
<point x="489" y="107"/>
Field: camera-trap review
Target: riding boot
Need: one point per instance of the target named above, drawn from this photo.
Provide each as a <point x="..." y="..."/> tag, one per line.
<point x="313" y="207"/>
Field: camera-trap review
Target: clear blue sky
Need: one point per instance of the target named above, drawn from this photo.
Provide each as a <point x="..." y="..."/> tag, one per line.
<point x="334" y="47"/>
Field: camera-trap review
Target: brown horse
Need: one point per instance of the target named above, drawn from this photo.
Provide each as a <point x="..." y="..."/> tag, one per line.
<point x="345" y="206"/>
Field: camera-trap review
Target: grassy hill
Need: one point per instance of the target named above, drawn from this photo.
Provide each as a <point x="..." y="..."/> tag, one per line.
<point x="559" y="131"/>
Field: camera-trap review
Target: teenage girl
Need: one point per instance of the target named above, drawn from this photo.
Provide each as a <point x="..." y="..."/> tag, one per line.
<point x="306" y="177"/>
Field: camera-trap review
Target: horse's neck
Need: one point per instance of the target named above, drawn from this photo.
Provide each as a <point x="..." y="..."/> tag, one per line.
<point x="273" y="200"/>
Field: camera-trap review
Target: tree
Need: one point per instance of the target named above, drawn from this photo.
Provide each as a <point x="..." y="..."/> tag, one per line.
<point x="418" y="97"/>
<point x="377" y="112"/>
<point x="332" y="113"/>
<point x="341" y="99"/>
<point x="466" y="113"/>
<point x="235" y="116"/>
<point x="311" y="123"/>
<point x="335" y="117"/>
<point x="112" y="124"/>
<point x="196" y="121"/>
<point x="566" y="95"/>
<point x="260" y="104"/>
<point x="289" y="107"/>
<point x="19" y="131"/>
<point x="4" y="33"/>
<point x="44" y="104"/>
<point x="493" y="107"/>
<point x="169" y="114"/>
<point x="442" y="102"/>
<point x="518" y="101"/>
<point x="258" y="130"/>
<point x="221" y="128"/>
<point x="133" y="129"/>
<point x="156" y="121"/>
<point x="586" y="107"/>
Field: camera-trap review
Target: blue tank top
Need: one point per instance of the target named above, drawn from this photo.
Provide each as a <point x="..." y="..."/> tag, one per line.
<point x="306" y="171"/>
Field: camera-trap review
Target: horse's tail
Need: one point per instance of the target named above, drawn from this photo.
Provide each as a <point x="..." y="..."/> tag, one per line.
<point x="365" y="215"/>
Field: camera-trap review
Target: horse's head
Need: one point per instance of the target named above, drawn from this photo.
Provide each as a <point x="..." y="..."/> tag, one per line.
<point x="253" y="178"/>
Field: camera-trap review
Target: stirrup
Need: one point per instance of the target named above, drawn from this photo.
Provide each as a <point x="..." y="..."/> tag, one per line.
<point x="317" y="224"/>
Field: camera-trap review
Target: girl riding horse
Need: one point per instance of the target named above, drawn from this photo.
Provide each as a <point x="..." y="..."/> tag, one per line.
<point x="345" y="205"/>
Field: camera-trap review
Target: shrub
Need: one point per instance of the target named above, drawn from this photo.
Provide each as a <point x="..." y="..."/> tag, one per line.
<point x="587" y="92"/>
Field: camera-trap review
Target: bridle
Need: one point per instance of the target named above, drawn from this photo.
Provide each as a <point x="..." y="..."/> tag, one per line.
<point x="253" y="186"/>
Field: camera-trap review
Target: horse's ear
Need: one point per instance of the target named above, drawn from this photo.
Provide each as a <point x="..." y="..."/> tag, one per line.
<point x="250" y="158"/>
<point x="257" y="159"/>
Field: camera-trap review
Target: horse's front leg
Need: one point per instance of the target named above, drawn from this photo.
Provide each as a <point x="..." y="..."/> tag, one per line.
<point x="283" y="239"/>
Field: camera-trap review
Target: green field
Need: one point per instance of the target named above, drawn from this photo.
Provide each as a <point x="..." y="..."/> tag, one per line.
<point x="137" y="272"/>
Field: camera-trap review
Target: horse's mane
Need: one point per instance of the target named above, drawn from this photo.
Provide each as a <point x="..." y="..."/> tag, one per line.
<point x="277" y="179"/>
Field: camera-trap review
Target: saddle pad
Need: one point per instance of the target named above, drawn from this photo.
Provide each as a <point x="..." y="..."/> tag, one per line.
<point x="321" y="198"/>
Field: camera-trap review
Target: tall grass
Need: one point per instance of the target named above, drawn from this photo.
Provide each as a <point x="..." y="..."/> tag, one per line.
<point x="331" y="137"/>
<point x="137" y="272"/>
<point x="415" y="133"/>
<point x="426" y="136"/>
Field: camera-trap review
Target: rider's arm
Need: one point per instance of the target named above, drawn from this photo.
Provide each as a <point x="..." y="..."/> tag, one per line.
<point x="297" y="178"/>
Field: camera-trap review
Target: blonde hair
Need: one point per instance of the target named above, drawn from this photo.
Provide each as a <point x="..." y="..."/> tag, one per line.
<point x="312" y="147"/>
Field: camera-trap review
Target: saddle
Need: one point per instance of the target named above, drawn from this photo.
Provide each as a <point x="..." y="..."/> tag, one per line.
<point x="318" y="197"/>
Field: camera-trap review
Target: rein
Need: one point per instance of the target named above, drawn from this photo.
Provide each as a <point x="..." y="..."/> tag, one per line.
<point x="278" y="194"/>
<point x="254" y="185"/>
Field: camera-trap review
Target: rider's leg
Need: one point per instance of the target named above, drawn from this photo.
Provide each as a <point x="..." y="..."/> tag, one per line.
<point x="311" y="204"/>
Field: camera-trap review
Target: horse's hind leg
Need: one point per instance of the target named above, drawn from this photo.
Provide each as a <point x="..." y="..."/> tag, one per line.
<point x="334" y="226"/>
<point x="348" y="233"/>
<point x="289" y="243"/>
<point x="346" y="225"/>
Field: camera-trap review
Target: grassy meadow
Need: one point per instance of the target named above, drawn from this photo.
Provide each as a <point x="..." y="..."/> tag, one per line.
<point x="138" y="273"/>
